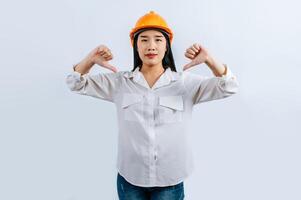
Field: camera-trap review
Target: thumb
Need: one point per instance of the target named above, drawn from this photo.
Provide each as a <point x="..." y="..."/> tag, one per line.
<point x="189" y="65"/>
<point x="109" y="66"/>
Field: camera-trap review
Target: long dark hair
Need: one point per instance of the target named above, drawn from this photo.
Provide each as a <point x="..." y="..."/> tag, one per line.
<point x="167" y="61"/>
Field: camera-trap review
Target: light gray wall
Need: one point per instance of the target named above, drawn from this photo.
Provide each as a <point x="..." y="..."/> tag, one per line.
<point x="55" y="144"/>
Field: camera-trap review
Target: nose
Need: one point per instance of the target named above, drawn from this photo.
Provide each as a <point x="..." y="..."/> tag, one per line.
<point x="151" y="46"/>
<point x="151" y="49"/>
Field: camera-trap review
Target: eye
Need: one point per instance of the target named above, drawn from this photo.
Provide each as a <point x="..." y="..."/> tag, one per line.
<point x="143" y="40"/>
<point x="159" y="40"/>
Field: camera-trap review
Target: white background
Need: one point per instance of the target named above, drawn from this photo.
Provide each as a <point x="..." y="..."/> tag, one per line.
<point x="55" y="144"/>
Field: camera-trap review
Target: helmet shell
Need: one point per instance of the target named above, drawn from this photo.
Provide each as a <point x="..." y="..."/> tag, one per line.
<point x="151" y="20"/>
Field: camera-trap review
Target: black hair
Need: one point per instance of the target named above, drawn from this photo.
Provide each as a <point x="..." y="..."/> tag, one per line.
<point x="167" y="61"/>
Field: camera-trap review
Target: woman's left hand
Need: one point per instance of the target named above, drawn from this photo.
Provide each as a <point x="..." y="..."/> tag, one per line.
<point x="197" y="54"/>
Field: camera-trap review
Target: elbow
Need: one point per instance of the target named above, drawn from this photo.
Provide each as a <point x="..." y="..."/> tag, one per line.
<point x="230" y="87"/>
<point x="72" y="83"/>
<point x="233" y="88"/>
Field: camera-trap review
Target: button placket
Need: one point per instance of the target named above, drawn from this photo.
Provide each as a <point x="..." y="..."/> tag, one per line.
<point x="150" y="100"/>
<point x="153" y="155"/>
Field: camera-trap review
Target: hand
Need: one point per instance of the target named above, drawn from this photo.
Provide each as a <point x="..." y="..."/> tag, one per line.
<point x="101" y="55"/>
<point x="197" y="54"/>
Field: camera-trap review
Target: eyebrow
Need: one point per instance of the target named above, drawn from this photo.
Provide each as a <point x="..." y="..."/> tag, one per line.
<point x="145" y="36"/>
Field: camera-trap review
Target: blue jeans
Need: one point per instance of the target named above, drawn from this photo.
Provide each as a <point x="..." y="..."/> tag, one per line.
<point x="127" y="191"/>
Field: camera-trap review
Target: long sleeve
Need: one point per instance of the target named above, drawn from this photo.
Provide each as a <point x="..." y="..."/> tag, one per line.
<point x="201" y="88"/>
<point x="101" y="85"/>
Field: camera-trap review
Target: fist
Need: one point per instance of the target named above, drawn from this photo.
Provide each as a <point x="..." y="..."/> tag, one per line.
<point x="197" y="54"/>
<point x="101" y="55"/>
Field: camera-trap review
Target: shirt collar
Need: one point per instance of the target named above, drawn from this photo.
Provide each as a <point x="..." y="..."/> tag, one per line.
<point x="165" y="79"/>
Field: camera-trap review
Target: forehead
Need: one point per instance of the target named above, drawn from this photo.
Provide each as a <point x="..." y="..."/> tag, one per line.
<point x="151" y="33"/>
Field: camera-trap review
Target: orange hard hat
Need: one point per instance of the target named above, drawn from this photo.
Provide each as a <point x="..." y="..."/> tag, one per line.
<point x="151" y="20"/>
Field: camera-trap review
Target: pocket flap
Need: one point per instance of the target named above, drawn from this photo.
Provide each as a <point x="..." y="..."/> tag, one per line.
<point x="129" y="99"/>
<point x="173" y="102"/>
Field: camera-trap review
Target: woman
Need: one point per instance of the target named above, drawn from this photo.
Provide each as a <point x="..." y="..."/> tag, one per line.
<point x="154" y="104"/>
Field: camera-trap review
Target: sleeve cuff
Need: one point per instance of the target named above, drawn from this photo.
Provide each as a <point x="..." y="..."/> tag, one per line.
<point x="76" y="75"/>
<point x="228" y="75"/>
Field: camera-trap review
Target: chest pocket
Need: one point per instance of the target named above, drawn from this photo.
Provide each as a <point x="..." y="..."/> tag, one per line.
<point x="132" y="106"/>
<point x="170" y="109"/>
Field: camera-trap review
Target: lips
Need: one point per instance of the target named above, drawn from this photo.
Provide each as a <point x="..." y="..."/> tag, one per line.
<point x="150" y="55"/>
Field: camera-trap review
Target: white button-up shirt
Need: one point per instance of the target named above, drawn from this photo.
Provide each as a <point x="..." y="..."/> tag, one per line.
<point x="153" y="147"/>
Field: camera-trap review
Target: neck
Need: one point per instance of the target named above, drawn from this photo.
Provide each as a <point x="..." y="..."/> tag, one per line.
<point x="152" y="70"/>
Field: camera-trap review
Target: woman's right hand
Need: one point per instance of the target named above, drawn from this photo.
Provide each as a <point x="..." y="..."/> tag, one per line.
<point x="101" y="55"/>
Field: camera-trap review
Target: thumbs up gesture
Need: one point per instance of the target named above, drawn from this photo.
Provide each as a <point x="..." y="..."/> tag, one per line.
<point x="197" y="54"/>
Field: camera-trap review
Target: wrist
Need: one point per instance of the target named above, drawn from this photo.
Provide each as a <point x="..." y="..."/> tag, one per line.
<point x="216" y="67"/>
<point x="84" y="66"/>
<point x="209" y="61"/>
<point x="88" y="62"/>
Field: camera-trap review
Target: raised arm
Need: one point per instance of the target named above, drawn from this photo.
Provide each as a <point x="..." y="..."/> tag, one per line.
<point x="101" y="55"/>
<point x="201" y="88"/>
<point x="102" y="85"/>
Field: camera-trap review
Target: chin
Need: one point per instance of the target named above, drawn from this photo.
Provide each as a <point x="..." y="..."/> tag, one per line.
<point x="151" y="63"/>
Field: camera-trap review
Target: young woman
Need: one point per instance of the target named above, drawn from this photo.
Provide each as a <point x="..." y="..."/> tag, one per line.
<point x="154" y="104"/>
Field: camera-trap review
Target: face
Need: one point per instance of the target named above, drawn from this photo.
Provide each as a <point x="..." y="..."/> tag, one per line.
<point x="151" y="45"/>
